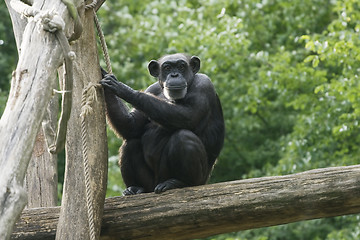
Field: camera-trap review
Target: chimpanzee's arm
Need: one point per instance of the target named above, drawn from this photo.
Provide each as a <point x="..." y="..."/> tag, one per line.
<point x="183" y="115"/>
<point x="128" y="124"/>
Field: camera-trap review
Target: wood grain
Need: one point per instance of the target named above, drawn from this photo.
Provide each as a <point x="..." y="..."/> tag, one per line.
<point x="218" y="208"/>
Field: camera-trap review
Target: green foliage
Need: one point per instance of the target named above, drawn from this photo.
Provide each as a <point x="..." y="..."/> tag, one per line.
<point x="326" y="133"/>
<point x="3" y="97"/>
<point x="286" y="73"/>
<point x="8" y="52"/>
<point x="115" y="184"/>
<point x="345" y="228"/>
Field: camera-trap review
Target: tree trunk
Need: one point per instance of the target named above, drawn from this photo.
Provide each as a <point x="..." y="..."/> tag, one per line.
<point x="42" y="177"/>
<point x="73" y="222"/>
<point x="219" y="208"/>
<point x="31" y="88"/>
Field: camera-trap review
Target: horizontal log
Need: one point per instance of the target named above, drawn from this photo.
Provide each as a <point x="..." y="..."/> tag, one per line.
<point x="217" y="208"/>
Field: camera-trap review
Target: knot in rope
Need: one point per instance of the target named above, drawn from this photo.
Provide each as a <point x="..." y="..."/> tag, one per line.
<point x="91" y="5"/>
<point x="50" y="21"/>
<point x="30" y="12"/>
<point x="71" y="55"/>
<point x="88" y="97"/>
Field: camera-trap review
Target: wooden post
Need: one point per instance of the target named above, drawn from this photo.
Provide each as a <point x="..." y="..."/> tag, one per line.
<point x="73" y="221"/>
<point x="203" y="211"/>
<point x="42" y="177"/>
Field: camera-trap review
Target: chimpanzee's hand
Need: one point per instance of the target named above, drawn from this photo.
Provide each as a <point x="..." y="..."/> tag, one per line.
<point x="118" y="88"/>
<point x="103" y="72"/>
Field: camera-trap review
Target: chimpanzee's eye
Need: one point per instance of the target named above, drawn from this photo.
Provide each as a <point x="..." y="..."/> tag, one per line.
<point x="182" y="67"/>
<point x="167" y="68"/>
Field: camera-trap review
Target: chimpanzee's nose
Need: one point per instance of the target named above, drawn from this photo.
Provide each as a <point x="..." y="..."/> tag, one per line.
<point x="174" y="75"/>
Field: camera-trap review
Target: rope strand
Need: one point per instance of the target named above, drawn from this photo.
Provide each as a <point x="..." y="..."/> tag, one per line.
<point x="91" y="5"/>
<point x="101" y="36"/>
<point x="103" y="44"/>
<point x="88" y="97"/>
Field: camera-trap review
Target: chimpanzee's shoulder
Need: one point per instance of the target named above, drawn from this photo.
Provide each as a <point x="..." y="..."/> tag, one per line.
<point x="202" y="81"/>
<point x="154" y="88"/>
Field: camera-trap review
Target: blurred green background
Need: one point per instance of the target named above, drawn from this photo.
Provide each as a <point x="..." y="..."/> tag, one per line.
<point x="287" y="73"/>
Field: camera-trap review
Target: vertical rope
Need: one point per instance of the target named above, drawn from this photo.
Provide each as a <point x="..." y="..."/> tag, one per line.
<point x="88" y="97"/>
<point x="103" y="44"/>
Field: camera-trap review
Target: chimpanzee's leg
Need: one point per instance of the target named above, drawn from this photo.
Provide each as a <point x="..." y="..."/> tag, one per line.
<point x="183" y="162"/>
<point x="137" y="176"/>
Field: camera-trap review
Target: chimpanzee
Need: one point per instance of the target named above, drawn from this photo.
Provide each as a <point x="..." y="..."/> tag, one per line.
<point x="176" y="130"/>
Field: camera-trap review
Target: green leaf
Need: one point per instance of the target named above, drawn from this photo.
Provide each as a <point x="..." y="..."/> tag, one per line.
<point x="319" y="88"/>
<point x="305" y="37"/>
<point x="315" y="61"/>
<point x="310" y="46"/>
<point x="309" y="58"/>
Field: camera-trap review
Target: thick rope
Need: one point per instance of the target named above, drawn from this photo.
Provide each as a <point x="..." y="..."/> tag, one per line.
<point x="103" y="44"/>
<point x="91" y="5"/>
<point x="23" y="8"/>
<point x="101" y="36"/>
<point x="88" y="97"/>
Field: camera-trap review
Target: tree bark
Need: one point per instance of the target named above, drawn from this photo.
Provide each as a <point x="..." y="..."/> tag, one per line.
<point x="74" y="222"/>
<point x="31" y="88"/>
<point x="219" y="208"/>
<point x="42" y="177"/>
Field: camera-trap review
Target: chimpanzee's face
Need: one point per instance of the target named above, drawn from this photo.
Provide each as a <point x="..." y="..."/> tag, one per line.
<point x="174" y="73"/>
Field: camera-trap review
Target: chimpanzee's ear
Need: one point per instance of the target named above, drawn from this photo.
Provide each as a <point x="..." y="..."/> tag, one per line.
<point x="154" y="68"/>
<point x="195" y="64"/>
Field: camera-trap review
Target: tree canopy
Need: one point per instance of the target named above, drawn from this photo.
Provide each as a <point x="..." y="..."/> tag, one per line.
<point x="287" y="73"/>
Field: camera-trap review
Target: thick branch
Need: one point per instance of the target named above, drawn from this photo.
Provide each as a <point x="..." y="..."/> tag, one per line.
<point x="90" y="136"/>
<point x="213" y="209"/>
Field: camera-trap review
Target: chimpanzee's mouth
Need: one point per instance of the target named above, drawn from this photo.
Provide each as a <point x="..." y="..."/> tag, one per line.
<point x="174" y="93"/>
<point x="171" y="88"/>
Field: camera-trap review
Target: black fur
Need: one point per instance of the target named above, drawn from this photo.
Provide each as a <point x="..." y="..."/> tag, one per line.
<point x="175" y="132"/>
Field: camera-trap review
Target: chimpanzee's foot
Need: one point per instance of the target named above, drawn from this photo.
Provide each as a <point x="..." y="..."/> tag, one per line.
<point x="133" y="190"/>
<point x="169" y="184"/>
